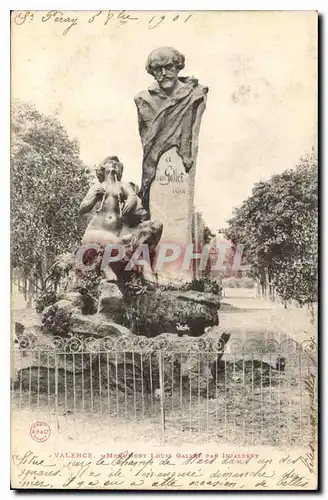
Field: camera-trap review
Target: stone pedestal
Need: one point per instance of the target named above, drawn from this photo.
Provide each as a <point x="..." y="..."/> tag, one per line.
<point x="171" y="198"/>
<point x="171" y="202"/>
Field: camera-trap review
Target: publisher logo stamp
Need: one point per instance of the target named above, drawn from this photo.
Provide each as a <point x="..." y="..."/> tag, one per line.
<point x="40" y="431"/>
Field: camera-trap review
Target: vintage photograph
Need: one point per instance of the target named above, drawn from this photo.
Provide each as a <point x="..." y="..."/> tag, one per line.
<point x="164" y="250"/>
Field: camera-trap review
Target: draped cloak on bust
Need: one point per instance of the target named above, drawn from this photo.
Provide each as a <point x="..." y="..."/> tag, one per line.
<point x="168" y="121"/>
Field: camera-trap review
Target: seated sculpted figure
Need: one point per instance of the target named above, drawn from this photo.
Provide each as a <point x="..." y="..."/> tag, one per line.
<point x="119" y="217"/>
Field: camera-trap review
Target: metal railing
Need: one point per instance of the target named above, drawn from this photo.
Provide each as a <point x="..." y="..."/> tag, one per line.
<point x="169" y="388"/>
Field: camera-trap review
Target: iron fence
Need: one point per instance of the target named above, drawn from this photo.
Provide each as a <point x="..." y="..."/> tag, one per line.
<point x="254" y="392"/>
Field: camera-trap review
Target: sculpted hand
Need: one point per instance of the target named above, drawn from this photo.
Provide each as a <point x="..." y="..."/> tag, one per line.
<point x="100" y="191"/>
<point x="188" y="164"/>
<point x="129" y="205"/>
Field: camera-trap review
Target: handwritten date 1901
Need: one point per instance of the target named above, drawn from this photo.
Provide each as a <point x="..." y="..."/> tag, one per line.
<point x="104" y="17"/>
<point x="155" y="21"/>
<point x="124" y="18"/>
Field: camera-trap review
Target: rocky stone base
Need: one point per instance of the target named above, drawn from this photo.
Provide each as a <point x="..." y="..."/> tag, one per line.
<point x="180" y="312"/>
<point x="117" y="337"/>
<point x="124" y="363"/>
<point x="144" y="311"/>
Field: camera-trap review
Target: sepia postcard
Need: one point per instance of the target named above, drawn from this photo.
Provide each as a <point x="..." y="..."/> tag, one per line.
<point x="164" y="250"/>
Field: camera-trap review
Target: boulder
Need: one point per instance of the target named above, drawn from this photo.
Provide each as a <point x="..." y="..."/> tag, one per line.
<point x="51" y="381"/>
<point x="75" y="348"/>
<point x="111" y="301"/>
<point x="143" y="310"/>
<point x="62" y="304"/>
<point x="48" y="364"/>
<point x="34" y="349"/>
<point x="75" y="298"/>
<point x="84" y="302"/>
<point x="188" y="362"/>
<point x="101" y="354"/>
<point x="97" y="325"/>
<point x="181" y="312"/>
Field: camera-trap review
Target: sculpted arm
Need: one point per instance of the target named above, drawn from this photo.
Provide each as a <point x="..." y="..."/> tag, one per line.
<point x="90" y="199"/>
<point x="131" y="199"/>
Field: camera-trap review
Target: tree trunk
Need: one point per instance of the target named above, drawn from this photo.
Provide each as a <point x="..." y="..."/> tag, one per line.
<point x="30" y="294"/>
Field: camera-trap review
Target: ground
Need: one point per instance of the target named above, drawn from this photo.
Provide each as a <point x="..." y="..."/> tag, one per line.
<point x="248" y="317"/>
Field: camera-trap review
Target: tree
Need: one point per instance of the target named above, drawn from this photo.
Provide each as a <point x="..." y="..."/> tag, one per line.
<point x="48" y="181"/>
<point x="208" y="235"/>
<point x="278" y="227"/>
<point x="201" y="233"/>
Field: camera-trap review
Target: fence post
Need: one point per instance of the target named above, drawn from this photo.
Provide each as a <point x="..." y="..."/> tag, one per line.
<point x="161" y="389"/>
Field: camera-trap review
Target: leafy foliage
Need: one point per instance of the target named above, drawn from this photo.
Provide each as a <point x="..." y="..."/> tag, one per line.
<point x="48" y="181"/>
<point x="277" y="225"/>
<point x="45" y="299"/>
<point x="233" y="282"/>
<point x="208" y="235"/>
<point x="87" y="284"/>
<point x="56" y="321"/>
<point x="201" y="233"/>
<point x="204" y="284"/>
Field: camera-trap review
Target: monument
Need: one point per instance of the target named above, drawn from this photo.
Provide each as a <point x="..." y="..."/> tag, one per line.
<point x="108" y="297"/>
<point x="169" y="118"/>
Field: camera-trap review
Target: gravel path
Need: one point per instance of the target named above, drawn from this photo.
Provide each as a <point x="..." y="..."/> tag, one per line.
<point x="247" y="317"/>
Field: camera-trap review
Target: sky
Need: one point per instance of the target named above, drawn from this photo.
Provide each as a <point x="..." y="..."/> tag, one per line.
<point x="260" y="67"/>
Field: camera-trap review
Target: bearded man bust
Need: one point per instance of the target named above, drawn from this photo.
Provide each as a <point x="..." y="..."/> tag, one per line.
<point x="169" y="115"/>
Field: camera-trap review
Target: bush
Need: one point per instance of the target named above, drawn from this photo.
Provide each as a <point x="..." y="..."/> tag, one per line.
<point x="45" y="299"/>
<point x="204" y="284"/>
<point x="88" y="286"/>
<point x="233" y="282"/>
<point x="56" y="321"/>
